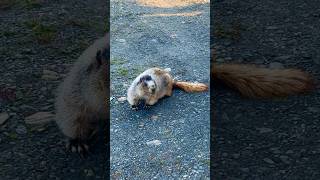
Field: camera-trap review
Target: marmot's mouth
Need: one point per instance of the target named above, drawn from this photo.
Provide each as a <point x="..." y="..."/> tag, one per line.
<point x="153" y="91"/>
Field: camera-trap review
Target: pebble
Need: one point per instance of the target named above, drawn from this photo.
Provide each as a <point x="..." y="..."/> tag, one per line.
<point x="4" y="117"/>
<point x="154" y="117"/>
<point x="21" y="129"/>
<point x="264" y="130"/>
<point x="285" y="159"/>
<point x="39" y="118"/>
<point x="269" y="161"/>
<point x="154" y="142"/>
<point x="49" y="75"/>
<point x="314" y="109"/>
<point x="276" y="65"/>
<point x="122" y="99"/>
<point x="271" y="27"/>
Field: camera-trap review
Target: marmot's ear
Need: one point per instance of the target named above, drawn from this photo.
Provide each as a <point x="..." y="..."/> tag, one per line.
<point x="141" y="80"/>
<point x="106" y="54"/>
<point x="99" y="57"/>
<point x="103" y="56"/>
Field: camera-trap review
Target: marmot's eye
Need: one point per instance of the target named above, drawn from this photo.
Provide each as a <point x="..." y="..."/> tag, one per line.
<point x="148" y="78"/>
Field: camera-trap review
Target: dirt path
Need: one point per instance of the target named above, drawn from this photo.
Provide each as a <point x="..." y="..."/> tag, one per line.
<point x="267" y="139"/>
<point x="175" y="37"/>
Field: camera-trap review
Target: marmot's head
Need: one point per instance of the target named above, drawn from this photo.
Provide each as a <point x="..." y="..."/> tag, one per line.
<point x="147" y="84"/>
<point x="97" y="72"/>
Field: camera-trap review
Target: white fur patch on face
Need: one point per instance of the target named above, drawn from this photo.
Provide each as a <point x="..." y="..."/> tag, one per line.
<point x="151" y="86"/>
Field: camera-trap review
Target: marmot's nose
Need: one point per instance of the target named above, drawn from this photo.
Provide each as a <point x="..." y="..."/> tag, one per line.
<point x="152" y="87"/>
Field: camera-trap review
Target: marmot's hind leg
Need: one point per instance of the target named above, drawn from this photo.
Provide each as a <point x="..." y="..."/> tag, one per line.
<point x="77" y="145"/>
<point x="151" y="101"/>
<point x="169" y="92"/>
<point x="169" y="89"/>
<point x="86" y="133"/>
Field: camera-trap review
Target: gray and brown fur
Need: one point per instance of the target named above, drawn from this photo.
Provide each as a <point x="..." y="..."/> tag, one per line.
<point x="82" y="99"/>
<point x="154" y="84"/>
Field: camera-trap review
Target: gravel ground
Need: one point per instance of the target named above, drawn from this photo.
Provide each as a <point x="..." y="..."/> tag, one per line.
<point x="270" y="139"/>
<point x="171" y="140"/>
<point x="39" y="42"/>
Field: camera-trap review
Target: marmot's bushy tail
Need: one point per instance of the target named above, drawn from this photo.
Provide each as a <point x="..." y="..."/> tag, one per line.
<point x="255" y="82"/>
<point x="190" y="87"/>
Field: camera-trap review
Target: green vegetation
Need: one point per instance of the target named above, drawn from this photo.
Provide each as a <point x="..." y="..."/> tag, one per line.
<point x="234" y="32"/>
<point x="123" y="71"/>
<point x="117" y="61"/>
<point x="43" y="33"/>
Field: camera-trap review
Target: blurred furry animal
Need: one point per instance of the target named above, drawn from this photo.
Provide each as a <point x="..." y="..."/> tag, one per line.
<point x="154" y="84"/>
<point x="255" y="82"/>
<point x="82" y="99"/>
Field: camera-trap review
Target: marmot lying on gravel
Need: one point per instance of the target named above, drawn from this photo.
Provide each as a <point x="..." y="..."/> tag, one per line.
<point x="155" y="83"/>
<point x="82" y="104"/>
<point x="256" y="82"/>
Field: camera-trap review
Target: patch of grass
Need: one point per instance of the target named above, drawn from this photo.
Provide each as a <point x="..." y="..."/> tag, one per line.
<point x="116" y="61"/>
<point x="83" y="44"/>
<point x="5" y="4"/>
<point x="123" y="71"/>
<point x="12" y="135"/>
<point x="8" y="33"/>
<point x="88" y="24"/>
<point x="78" y="23"/>
<point x="106" y="26"/>
<point x="136" y="71"/>
<point x="30" y="3"/>
<point x="206" y="162"/>
<point x="43" y="33"/>
<point x="234" y="32"/>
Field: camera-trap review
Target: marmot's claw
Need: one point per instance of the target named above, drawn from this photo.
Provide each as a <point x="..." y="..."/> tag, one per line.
<point x="78" y="146"/>
<point x="134" y="108"/>
<point x="147" y="106"/>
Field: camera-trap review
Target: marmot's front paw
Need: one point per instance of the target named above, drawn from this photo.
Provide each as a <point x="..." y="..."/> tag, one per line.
<point x="147" y="106"/>
<point x="78" y="146"/>
<point x="133" y="107"/>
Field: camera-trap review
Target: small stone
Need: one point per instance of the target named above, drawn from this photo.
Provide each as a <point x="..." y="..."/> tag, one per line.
<point x="220" y="60"/>
<point x="121" y="40"/>
<point x="269" y="161"/>
<point x="39" y="118"/>
<point x="4" y="117"/>
<point x="154" y="142"/>
<point x="244" y="169"/>
<point x="276" y="65"/>
<point x="122" y="99"/>
<point x="236" y="156"/>
<point x="264" y="130"/>
<point x="271" y="27"/>
<point x="154" y="117"/>
<point x="314" y="109"/>
<point x="141" y="125"/>
<point x="49" y="75"/>
<point x="89" y="172"/>
<point x="285" y="159"/>
<point x="289" y="152"/>
<point x="21" y="129"/>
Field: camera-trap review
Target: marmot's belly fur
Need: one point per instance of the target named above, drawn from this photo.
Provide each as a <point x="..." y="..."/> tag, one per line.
<point x="82" y="99"/>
